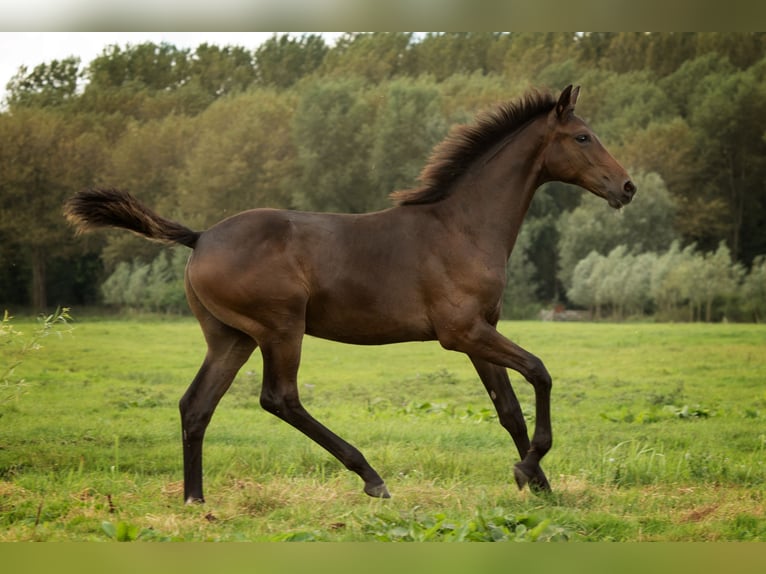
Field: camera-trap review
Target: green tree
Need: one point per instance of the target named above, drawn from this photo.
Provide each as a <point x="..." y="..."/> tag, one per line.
<point x="627" y="52"/>
<point x="46" y="155"/>
<point x="613" y="278"/>
<point x="463" y="95"/>
<point x="679" y="280"/>
<point x="683" y="85"/>
<point x="593" y="46"/>
<point x="144" y="81"/>
<point x="624" y="104"/>
<point x="623" y="281"/>
<point x="283" y="60"/>
<point x="665" y="288"/>
<point x="444" y="54"/>
<point x="147" y="160"/>
<point x="156" y="286"/>
<point x="146" y="65"/>
<point x="699" y="279"/>
<point x="407" y="126"/>
<point x="585" y="287"/>
<point x="221" y="71"/>
<point x="51" y="84"/>
<point x="242" y="158"/>
<point x="668" y="51"/>
<point x="728" y="115"/>
<point x="669" y="148"/>
<point x="753" y="291"/>
<point x="332" y="130"/>
<point x="742" y="49"/>
<point x="520" y="299"/>
<point x="717" y="278"/>
<point x="376" y="56"/>
<point x="638" y="284"/>
<point x="526" y="54"/>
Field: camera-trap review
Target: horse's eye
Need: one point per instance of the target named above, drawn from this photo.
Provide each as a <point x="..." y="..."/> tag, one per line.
<point x="582" y="138"/>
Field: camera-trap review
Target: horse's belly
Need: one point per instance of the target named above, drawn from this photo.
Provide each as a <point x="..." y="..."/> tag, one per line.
<point x="365" y="325"/>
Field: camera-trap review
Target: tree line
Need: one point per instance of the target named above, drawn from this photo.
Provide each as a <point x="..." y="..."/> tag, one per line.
<point x="296" y="123"/>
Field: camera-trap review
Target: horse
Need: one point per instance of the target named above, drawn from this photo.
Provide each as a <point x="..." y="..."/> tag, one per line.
<point x="430" y="267"/>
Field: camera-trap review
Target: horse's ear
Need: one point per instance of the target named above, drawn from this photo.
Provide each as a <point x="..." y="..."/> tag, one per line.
<point x="567" y="101"/>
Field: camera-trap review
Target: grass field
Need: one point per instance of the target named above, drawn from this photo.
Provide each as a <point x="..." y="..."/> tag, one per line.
<point x="659" y="434"/>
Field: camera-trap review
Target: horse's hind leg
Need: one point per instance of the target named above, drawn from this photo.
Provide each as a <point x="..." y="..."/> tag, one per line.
<point x="228" y="349"/>
<point x="279" y="396"/>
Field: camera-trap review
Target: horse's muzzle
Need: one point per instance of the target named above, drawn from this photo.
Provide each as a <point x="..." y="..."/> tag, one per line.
<point x="624" y="197"/>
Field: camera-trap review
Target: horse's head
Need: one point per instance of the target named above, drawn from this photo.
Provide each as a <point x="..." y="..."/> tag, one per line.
<point x="575" y="155"/>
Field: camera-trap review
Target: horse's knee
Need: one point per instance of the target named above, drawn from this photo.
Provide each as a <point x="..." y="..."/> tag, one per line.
<point x="543" y="444"/>
<point x="271" y="404"/>
<point x="278" y="404"/>
<point x="193" y="422"/>
<point x="538" y="376"/>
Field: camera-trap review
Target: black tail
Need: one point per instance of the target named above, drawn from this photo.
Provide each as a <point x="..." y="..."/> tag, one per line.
<point x="94" y="208"/>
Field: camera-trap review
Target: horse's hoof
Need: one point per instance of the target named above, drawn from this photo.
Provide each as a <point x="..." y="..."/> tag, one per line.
<point x="539" y="485"/>
<point x="377" y="490"/>
<point x="537" y="482"/>
<point x="521" y="477"/>
<point x="194" y="500"/>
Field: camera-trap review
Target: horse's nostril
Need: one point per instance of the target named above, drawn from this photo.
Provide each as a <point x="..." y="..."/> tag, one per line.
<point x="629" y="187"/>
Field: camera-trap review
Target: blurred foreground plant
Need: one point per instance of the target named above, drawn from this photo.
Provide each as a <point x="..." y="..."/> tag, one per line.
<point x="14" y="348"/>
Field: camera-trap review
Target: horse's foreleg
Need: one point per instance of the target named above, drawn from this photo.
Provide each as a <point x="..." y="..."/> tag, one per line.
<point x="498" y="385"/>
<point x="480" y="340"/>
<point x="279" y="396"/>
<point x="528" y="470"/>
<point x="227" y="352"/>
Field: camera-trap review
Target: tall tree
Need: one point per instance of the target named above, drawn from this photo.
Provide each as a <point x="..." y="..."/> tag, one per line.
<point x="627" y="52"/>
<point x="754" y="290"/>
<point x="728" y="114"/>
<point x="51" y="84"/>
<point x="520" y="296"/>
<point x="147" y="160"/>
<point x="46" y="156"/>
<point x="332" y="130"/>
<point x="667" y="51"/>
<point x="376" y="56"/>
<point x="585" y="289"/>
<point x="283" y="60"/>
<point x="444" y="54"/>
<point x="407" y="126"/>
<point x="742" y="49"/>
<point x="621" y="104"/>
<point x="221" y="71"/>
<point x="719" y="277"/>
<point x="148" y="65"/>
<point x="141" y="82"/>
<point x="528" y="53"/>
<point x="242" y="157"/>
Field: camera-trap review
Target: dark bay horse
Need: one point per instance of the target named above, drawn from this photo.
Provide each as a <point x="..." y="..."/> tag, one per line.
<point x="433" y="267"/>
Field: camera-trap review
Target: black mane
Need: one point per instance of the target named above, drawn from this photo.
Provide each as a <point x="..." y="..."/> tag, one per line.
<point x="466" y="143"/>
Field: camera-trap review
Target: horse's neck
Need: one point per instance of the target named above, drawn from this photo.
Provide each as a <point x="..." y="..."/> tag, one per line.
<point x="493" y="198"/>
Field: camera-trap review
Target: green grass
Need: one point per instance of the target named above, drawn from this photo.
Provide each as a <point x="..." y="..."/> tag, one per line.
<point x="659" y="434"/>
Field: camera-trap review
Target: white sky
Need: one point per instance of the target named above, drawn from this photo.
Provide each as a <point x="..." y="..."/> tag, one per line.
<point x="33" y="48"/>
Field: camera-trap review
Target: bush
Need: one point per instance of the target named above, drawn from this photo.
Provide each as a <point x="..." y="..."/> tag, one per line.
<point x="753" y="292"/>
<point x="677" y="284"/>
<point x="156" y="287"/>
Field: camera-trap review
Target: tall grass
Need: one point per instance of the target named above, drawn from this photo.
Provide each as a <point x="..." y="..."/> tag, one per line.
<point x="658" y="435"/>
